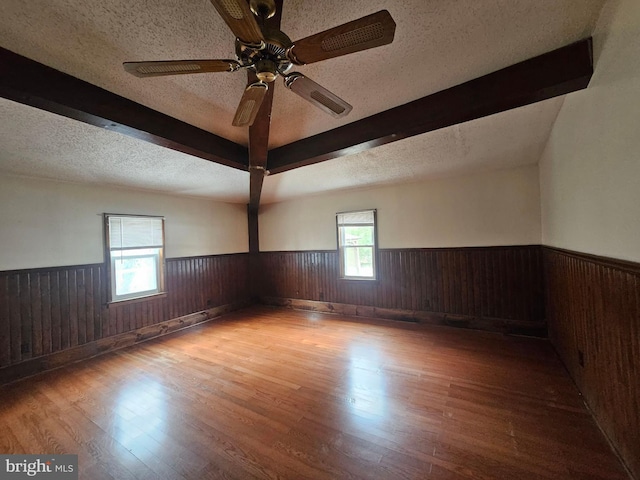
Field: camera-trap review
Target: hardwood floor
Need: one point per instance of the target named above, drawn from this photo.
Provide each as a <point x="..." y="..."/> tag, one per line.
<point x="275" y="393"/>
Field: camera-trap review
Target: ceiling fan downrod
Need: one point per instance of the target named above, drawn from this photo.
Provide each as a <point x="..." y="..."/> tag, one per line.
<point x="263" y="8"/>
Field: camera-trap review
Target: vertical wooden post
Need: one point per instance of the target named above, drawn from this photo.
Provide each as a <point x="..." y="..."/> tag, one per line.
<point x="254" y="241"/>
<point x="254" y="253"/>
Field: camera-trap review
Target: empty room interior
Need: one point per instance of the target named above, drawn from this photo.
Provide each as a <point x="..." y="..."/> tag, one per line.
<point x="321" y="239"/>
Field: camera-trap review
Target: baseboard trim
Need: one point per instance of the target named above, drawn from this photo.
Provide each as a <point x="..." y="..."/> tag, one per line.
<point x="55" y="360"/>
<point x="499" y="325"/>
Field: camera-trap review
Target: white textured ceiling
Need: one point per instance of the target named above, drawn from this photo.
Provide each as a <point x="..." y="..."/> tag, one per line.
<point x="438" y="44"/>
<point x="509" y="139"/>
<point x="43" y="144"/>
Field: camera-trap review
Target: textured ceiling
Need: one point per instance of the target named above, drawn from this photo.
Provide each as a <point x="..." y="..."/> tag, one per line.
<point x="43" y="144"/>
<point x="438" y="44"/>
<point x="509" y="139"/>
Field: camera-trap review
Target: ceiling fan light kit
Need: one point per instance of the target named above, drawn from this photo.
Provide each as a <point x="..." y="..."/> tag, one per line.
<point x="271" y="53"/>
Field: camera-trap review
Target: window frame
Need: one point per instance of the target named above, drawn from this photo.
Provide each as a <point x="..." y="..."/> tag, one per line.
<point x="109" y="262"/>
<point x="341" y="248"/>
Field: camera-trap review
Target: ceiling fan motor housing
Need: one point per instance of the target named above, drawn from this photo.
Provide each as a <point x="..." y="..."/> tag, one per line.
<point x="268" y="60"/>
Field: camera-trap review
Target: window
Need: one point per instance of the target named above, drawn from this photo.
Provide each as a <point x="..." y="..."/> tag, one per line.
<point x="357" y="244"/>
<point x="135" y="250"/>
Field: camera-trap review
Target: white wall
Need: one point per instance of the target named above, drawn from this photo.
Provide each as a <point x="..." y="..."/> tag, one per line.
<point x="590" y="170"/>
<point x="494" y="208"/>
<point x="46" y="223"/>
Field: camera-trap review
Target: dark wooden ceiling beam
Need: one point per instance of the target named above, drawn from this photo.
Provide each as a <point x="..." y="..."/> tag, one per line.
<point x="31" y="83"/>
<point x="259" y="131"/>
<point x="555" y="73"/>
<point x="259" y="145"/>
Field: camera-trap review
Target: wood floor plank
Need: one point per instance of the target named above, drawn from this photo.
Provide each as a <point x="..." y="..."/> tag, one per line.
<point x="276" y="393"/>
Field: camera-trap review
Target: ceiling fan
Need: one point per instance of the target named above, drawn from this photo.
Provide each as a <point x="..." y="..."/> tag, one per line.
<point x="270" y="53"/>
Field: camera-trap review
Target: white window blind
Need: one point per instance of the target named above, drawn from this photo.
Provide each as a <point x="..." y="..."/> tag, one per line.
<point x="135" y="232"/>
<point x="356" y="218"/>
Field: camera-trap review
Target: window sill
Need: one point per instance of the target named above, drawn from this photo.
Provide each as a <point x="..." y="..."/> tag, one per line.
<point x="357" y="279"/>
<point x="117" y="303"/>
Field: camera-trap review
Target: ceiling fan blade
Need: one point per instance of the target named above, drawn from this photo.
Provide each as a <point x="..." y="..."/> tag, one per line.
<point x="367" y="32"/>
<point x="250" y="104"/>
<point x="317" y="95"/>
<point x="240" y="19"/>
<point x="179" y="67"/>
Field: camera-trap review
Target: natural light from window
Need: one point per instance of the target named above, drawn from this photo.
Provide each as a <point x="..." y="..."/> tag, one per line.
<point x="135" y="256"/>
<point x="136" y="271"/>
<point x="357" y="241"/>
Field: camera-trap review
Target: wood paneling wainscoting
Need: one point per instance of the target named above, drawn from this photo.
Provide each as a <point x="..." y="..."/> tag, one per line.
<point x="47" y="311"/>
<point x="492" y="288"/>
<point x="593" y="311"/>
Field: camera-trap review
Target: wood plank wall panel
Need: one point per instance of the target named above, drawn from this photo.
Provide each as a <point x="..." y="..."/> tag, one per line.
<point x="593" y="307"/>
<point x="44" y="311"/>
<point x="491" y="282"/>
